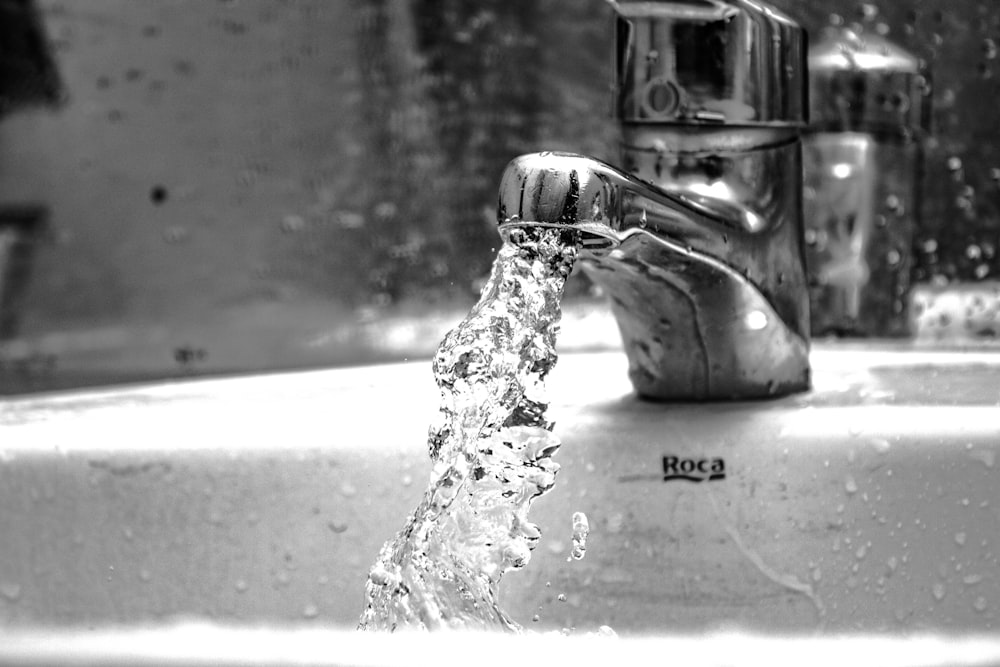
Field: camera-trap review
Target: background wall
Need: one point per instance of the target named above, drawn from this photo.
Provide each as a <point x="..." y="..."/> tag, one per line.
<point x="256" y="184"/>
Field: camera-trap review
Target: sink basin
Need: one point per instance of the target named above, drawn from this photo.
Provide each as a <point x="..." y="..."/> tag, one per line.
<point x="870" y="504"/>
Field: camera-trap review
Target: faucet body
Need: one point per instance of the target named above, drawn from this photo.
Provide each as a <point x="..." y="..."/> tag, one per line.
<point x="699" y="240"/>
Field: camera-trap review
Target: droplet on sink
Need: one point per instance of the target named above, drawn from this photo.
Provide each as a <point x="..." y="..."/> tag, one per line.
<point x="881" y="445"/>
<point x="986" y="456"/>
<point x="10" y="591"/>
<point x="850" y="485"/>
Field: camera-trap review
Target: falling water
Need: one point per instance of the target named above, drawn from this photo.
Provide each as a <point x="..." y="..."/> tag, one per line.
<point x="491" y="447"/>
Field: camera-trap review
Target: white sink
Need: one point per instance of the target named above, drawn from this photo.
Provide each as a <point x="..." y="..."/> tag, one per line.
<point x="871" y="504"/>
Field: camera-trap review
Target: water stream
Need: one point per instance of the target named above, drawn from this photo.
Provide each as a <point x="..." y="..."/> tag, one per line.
<point x="491" y="447"/>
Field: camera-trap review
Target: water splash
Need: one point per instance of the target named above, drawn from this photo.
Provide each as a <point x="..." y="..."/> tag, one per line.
<point x="492" y="450"/>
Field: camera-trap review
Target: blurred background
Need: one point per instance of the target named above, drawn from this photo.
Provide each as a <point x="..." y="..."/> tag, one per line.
<point x="194" y="187"/>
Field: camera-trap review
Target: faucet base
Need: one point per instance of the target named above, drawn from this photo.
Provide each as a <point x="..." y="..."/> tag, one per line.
<point x="693" y="329"/>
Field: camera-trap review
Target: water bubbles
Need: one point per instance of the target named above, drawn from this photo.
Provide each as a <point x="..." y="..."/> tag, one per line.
<point x="954" y="163"/>
<point x="561" y="597"/>
<point x="581" y="529"/>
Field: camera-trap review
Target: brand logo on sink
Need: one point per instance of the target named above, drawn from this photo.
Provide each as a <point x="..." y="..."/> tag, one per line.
<point x="693" y="470"/>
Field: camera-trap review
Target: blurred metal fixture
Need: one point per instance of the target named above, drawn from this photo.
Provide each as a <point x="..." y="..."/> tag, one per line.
<point x="863" y="163"/>
<point x="700" y="246"/>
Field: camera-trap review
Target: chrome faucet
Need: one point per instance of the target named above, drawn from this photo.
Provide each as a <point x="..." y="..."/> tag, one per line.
<point x="700" y="246"/>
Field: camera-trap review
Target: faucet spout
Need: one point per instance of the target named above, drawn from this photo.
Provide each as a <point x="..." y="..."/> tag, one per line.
<point x="706" y="308"/>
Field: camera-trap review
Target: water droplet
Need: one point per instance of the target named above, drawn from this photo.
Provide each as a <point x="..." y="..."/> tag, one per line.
<point x="581" y="529"/>
<point x="407" y="480"/>
<point x="536" y="618"/>
<point x="606" y="631"/>
<point x="10" y="591"/>
<point x="241" y="585"/>
<point x="987" y="457"/>
<point x="755" y="320"/>
<point x="561" y="597"/>
<point x="850" y="485"/>
<point x="881" y="445"/>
